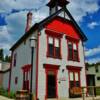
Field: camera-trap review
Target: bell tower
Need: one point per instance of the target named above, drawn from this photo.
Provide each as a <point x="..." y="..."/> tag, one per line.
<point x="55" y="4"/>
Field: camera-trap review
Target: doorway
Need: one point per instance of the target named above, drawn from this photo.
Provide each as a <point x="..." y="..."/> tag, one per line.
<point x="26" y="76"/>
<point x="51" y="85"/>
<point x="51" y="72"/>
<point x="91" y="82"/>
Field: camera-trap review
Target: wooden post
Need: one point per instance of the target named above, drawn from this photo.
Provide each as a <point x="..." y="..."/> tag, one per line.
<point x="93" y="92"/>
<point x="83" y="94"/>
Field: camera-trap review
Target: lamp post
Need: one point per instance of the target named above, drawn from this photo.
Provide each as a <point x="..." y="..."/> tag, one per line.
<point x="32" y="45"/>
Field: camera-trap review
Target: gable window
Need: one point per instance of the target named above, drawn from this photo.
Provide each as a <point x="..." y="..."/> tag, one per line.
<point x="73" y="51"/>
<point x="14" y="60"/>
<point x="54" y="48"/>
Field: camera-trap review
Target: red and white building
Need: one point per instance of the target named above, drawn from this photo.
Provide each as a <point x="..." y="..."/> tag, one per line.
<point x="58" y="56"/>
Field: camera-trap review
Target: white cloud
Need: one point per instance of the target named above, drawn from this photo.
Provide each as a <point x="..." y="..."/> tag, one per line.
<point x="4" y="34"/>
<point x="5" y="39"/>
<point x="93" y="60"/>
<point x="16" y="21"/>
<point x="7" y="5"/>
<point x="80" y="8"/>
<point x="91" y="52"/>
<point x="92" y="25"/>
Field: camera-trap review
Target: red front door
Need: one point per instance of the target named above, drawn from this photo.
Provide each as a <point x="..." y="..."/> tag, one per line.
<point x="26" y="76"/>
<point x="26" y="81"/>
<point x="51" y="80"/>
<point x="51" y="84"/>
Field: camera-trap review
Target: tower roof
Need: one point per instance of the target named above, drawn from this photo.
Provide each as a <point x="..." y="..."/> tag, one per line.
<point x="60" y="3"/>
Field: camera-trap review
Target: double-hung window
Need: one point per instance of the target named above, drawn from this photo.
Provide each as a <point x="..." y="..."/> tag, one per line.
<point x="74" y="77"/>
<point x="73" y="51"/>
<point x="53" y="45"/>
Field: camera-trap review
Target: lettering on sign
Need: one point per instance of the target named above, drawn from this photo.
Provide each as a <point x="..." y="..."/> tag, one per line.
<point x="62" y="79"/>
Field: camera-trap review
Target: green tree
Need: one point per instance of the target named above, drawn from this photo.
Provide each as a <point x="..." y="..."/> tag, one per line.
<point x="1" y="54"/>
<point x="7" y="58"/>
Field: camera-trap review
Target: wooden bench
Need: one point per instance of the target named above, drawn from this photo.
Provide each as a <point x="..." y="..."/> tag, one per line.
<point x="76" y="91"/>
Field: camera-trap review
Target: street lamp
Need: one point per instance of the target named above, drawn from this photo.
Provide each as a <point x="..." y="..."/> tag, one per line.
<point x="32" y="45"/>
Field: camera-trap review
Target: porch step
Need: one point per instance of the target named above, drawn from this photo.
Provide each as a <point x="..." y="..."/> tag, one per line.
<point x="53" y="99"/>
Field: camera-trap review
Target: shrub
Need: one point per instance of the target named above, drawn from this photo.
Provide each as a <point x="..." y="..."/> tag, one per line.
<point x="4" y="92"/>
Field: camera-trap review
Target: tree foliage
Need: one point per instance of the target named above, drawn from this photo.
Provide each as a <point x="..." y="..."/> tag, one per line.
<point x="4" y="58"/>
<point x="1" y="54"/>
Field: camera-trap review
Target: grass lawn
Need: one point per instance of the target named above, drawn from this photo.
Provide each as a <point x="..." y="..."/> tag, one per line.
<point x="4" y="93"/>
<point x="98" y="91"/>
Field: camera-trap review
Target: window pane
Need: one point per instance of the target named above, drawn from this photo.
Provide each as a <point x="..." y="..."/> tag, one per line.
<point x="71" y="76"/>
<point x="70" y="48"/>
<point x="75" y="55"/>
<point x="71" y="84"/>
<point x="50" y="40"/>
<point x="76" y="77"/>
<point x="77" y="84"/>
<point x="51" y="50"/>
<point x="74" y="46"/>
<point x="57" y="51"/>
<point x="57" y="42"/>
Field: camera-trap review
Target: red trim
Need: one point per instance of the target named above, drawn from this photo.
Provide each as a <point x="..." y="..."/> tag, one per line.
<point x="54" y="68"/>
<point x="9" y="83"/>
<point x="77" y="43"/>
<point x="72" y="39"/>
<point x="53" y="33"/>
<point x="37" y="60"/>
<point x="64" y="27"/>
<point x="48" y="66"/>
<point x="26" y="68"/>
<point x="26" y="71"/>
<point x="74" y="70"/>
<point x="53" y="56"/>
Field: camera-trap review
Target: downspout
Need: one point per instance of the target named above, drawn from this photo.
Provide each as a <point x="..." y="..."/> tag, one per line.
<point x="37" y="61"/>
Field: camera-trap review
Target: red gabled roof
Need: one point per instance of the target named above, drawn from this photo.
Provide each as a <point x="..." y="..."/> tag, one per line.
<point x="61" y="25"/>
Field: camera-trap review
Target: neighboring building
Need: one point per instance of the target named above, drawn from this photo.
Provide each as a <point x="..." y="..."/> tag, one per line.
<point x="93" y="74"/>
<point x="4" y="74"/>
<point x="58" y="61"/>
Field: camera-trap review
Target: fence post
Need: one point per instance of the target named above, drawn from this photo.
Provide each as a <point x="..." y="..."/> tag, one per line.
<point x="93" y="92"/>
<point x="83" y="93"/>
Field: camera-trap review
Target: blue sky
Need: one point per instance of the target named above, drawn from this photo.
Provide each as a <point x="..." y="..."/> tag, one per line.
<point x="13" y="20"/>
